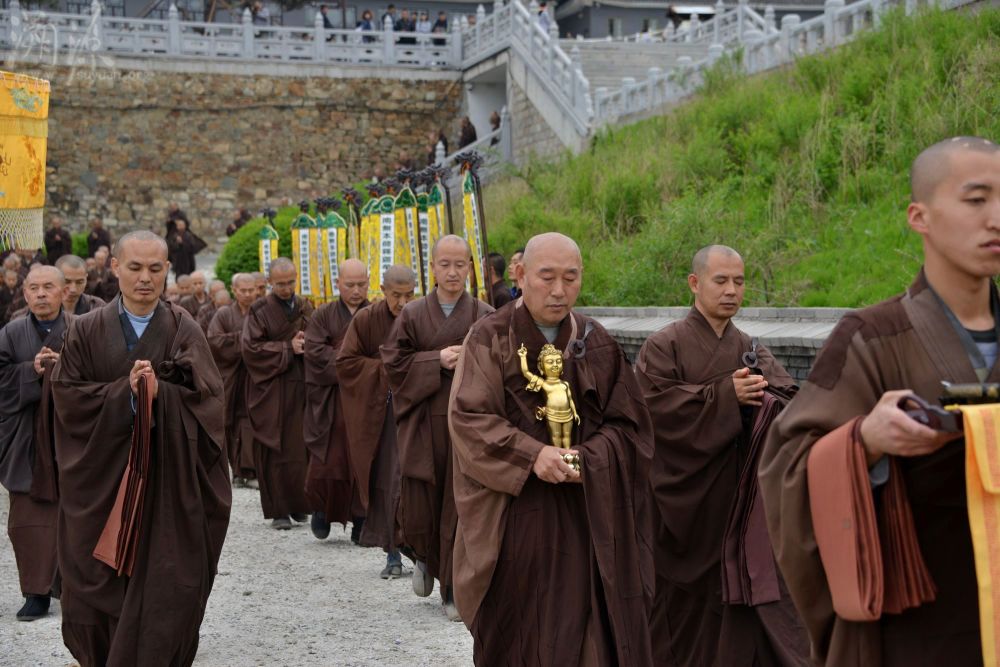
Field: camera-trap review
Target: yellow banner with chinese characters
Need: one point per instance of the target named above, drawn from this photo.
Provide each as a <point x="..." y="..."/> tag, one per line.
<point x="24" y="112"/>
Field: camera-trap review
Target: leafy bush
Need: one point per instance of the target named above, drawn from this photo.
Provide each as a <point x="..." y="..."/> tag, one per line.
<point x="80" y="244"/>
<point x="804" y="170"/>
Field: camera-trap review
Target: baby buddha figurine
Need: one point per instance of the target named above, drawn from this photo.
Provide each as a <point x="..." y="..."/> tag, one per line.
<point x="559" y="409"/>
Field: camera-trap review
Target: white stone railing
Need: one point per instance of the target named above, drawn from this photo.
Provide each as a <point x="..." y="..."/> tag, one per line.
<point x="515" y="26"/>
<point x="496" y="149"/>
<point x="32" y="35"/>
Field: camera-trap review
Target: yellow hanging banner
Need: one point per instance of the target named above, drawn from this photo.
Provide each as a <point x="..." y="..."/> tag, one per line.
<point x="267" y="248"/>
<point x="307" y="253"/>
<point x="24" y="112"/>
<point x="473" y="231"/>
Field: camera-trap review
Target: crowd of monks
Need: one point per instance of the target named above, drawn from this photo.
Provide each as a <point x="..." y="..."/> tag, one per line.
<point x="679" y="531"/>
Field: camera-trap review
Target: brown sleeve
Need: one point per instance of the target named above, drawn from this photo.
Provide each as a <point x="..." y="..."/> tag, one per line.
<point x="487" y="447"/>
<point x="320" y="352"/>
<point x="224" y="343"/>
<point x="357" y="371"/>
<point x="414" y="376"/>
<point x="265" y="359"/>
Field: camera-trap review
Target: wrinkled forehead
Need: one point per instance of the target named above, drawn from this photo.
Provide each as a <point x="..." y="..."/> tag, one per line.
<point x="144" y="252"/>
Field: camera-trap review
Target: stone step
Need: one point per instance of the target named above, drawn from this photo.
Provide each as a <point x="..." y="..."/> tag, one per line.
<point x="605" y="64"/>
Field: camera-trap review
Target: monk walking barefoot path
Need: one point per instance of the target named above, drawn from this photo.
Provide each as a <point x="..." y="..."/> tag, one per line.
<point x="281" y="598"/>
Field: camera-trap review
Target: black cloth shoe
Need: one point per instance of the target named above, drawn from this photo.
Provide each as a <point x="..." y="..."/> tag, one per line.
<point x="281" y="523"/>
<point x="300" y="518"/>
<point x="320" y="526"/>
<point x="35" y="607"/>
<point x="356" y="525"/>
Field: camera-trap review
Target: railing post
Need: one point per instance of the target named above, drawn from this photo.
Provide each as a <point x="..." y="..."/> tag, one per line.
<point x="577" y="61"/>
<point x="741" y="9"/>
<point x="456" y="43"/>
<point x="693" y="28"/>
<point x="669" y="32"/>
<point x="247" y="34"/>
<point x="506" y="138"/>
<point x="831" y="21"/>
<point x="173" y="30"/>
<point x="628" y="83"/>
<point x="15" y="23"/>
<point x="553" y="30"/>
<point x="719" y="10"/>
<point x="715" y="52"/>
<point x="439" y="154"/>
<point x="752" y="41"/>
<point x="319" y="38"/>
<point x="769" y="24"/>
<point x="388" y="42"/>
<point x="98" y="13"/>
<point x="789" y="27"/>
<point x="653" y="87"/>
<point x="878" y="10"/>
<point x="478" y="32"/>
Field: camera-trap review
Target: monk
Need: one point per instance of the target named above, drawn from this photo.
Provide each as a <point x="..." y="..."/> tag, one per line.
<point x="702" y="397"/>
<point x="151" y="617"/>
<point x="183" y="286"/>
<point x="225" y="334"/>
<point x="330" y="488"/>
<point x="943" y="328"/>
<point x="75" y="298"/>
<point x="218" y="299"/>
<point x="29" y="347"/>
<point x="551" y="566"/>
<point x="198" y="297"/>
<point x="273" y="343"/>
<point x="260" y="280"/>
<point x="499" y="292"/>
<point x="420" y="357"/>
<point x="371" y="428"/>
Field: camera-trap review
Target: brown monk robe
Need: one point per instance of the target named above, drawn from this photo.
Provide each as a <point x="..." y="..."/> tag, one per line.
<point x="371" y="429"/>
<point x="218" y="299"/>
<point x="273" y="342"/>
<point x="420" y="356"/>
<point x="28" y="347"/>
<point x="549" y="571"/>
<point x="151" y="617"/>
<point x="198" y="297"/>
<point x="874" y="357"/>
<point x="225" y="333"/>
<point x="701" y="396"/>
<point x="329" y="482"/>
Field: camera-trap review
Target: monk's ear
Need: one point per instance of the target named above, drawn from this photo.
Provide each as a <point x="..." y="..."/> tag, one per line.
<point x="916" y="217"/>
<point x="519" y="274"/>
<point x="693" y="282"/>
<point x="115" y="267"/>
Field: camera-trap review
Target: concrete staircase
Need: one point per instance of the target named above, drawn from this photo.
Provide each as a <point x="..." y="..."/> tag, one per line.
<point x="605" y="64"/>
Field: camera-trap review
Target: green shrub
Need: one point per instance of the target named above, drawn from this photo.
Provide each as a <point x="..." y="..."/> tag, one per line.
<point x="804" y="170"/>
<point x="80" y="244"/>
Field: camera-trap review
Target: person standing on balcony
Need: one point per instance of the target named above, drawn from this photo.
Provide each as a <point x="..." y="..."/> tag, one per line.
<point x="391" y="15"/>
<point x="467" y="135"/>
<point x="441" y="27"/>
<point x="494" y="126"/>
<point x="366" y="24"/>
<point x="424" y="25"/>
<point x="406" y="24"/>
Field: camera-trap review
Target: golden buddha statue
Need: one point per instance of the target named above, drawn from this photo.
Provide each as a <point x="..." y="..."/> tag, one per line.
<point x="559" y="410"/>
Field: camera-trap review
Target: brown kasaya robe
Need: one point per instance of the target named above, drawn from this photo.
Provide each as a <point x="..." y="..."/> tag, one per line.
<point x="551" y="574"/>
<point x="702" y="437"/>
<point x="329" y="481"/>
<point x="420" y="389"/>
<point x="225" y="334"/>
<point x="31" y="522"/>
<point x="152" y="617"/>
<point x="191" y="304"/>
<point x="371" y="430"/>
<point x="205" y="315"/>
<point x="275" y="397"/>
<point x="906" y="342"/>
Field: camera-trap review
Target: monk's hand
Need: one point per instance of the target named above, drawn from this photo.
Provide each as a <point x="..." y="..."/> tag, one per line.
<point x="139" y="369"/>
<point x="749" y="388"/>
<point x="889" y="430"/>
<point x="299" y="343"/>
<point x="550" y="467"/>
<point x="42" y="357"/>
<point x="449" y="356"/>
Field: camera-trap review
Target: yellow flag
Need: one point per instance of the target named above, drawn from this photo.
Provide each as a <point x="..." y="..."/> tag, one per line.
<point x="24" y="112"/>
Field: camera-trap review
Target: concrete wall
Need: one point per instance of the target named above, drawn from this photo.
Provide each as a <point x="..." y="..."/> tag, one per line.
<point x="532" y="135"/>
<point x="482" y="98"/>
<point x="123" y="143"/>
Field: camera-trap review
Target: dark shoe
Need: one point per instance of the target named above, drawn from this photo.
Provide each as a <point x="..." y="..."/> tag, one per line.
<point x="252" y="484"/>
<point x="356" y="525"/>
<point x="320" y="526"/>
<point x="300" y="518"/>
<point x="423" y="582"/>
<point x="281" y="523"/>
<point x="35" y="607"/>
<point x="394" y="571"/>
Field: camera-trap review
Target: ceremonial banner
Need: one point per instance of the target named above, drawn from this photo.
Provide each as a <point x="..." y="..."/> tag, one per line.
<point x="391" y="243"/>
<point x="474" y="232"/>
<point x="267" y="249"/>
<point x="335" y="251"/>
<point x="426" y="242"/>
<point x="408" y="234"/>
<point x="307" y="252"/>
<point x="24" y="112"/>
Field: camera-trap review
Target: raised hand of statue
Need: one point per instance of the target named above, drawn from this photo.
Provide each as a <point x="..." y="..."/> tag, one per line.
<point x="522" y="351"/>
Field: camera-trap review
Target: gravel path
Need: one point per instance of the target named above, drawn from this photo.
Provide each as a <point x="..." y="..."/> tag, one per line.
<point x="281" y="598"/>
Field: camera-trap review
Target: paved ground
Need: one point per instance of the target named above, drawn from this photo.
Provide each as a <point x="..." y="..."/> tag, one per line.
<point x="281" y="598"/>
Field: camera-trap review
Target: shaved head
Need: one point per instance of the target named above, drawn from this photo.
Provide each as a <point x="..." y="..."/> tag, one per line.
<point x="281" y="275"/>
<point x="243" y="278"/>
<point x="183" y="281"/>
<point x="550" y="242"/>
<point x="281" y="265"/>
<point x="43" y="289"/>
<point x="700" y="262"/>
<point x="352" y="283"/>
<point x="451" y="239"/>
<point x="354" y="268"/>
<point x="215" y="286"/>
<point x="398" y="285"/>
<point x="398" y="274"/>
<point x="222" y="298"/>
<point x="70" y="262"/>
<point x="43" y="273"/>
<point x="934" y="164"/>
<point x="141" y="236"/>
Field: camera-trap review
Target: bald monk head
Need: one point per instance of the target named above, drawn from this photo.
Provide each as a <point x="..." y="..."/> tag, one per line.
<point x="550" y="275"/>
<point x="260" y="282"/>
<point x="172" y="294"/>
<point x="43" y="290"/>
<point x="140" y="262"/>
<point x="245" y="290"/>
<point x="451" y="259"/>
<point x="221" y="298"/>
<point x="398" y="285"/>
<point x="955" y="207"/>
<point x="281" y="276"/>
<point x="216" y="286"/>
<point x="74" y="272"/>
<point x="352" y="283"/>
<point x="198" y="284"/>
<point x="184" y="285"/>
<point x="716" y="280"/>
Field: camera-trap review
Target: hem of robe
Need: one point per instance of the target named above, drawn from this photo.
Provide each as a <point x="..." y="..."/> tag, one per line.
<point x="281" y="481"/>
<point x="31" y="527"/>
